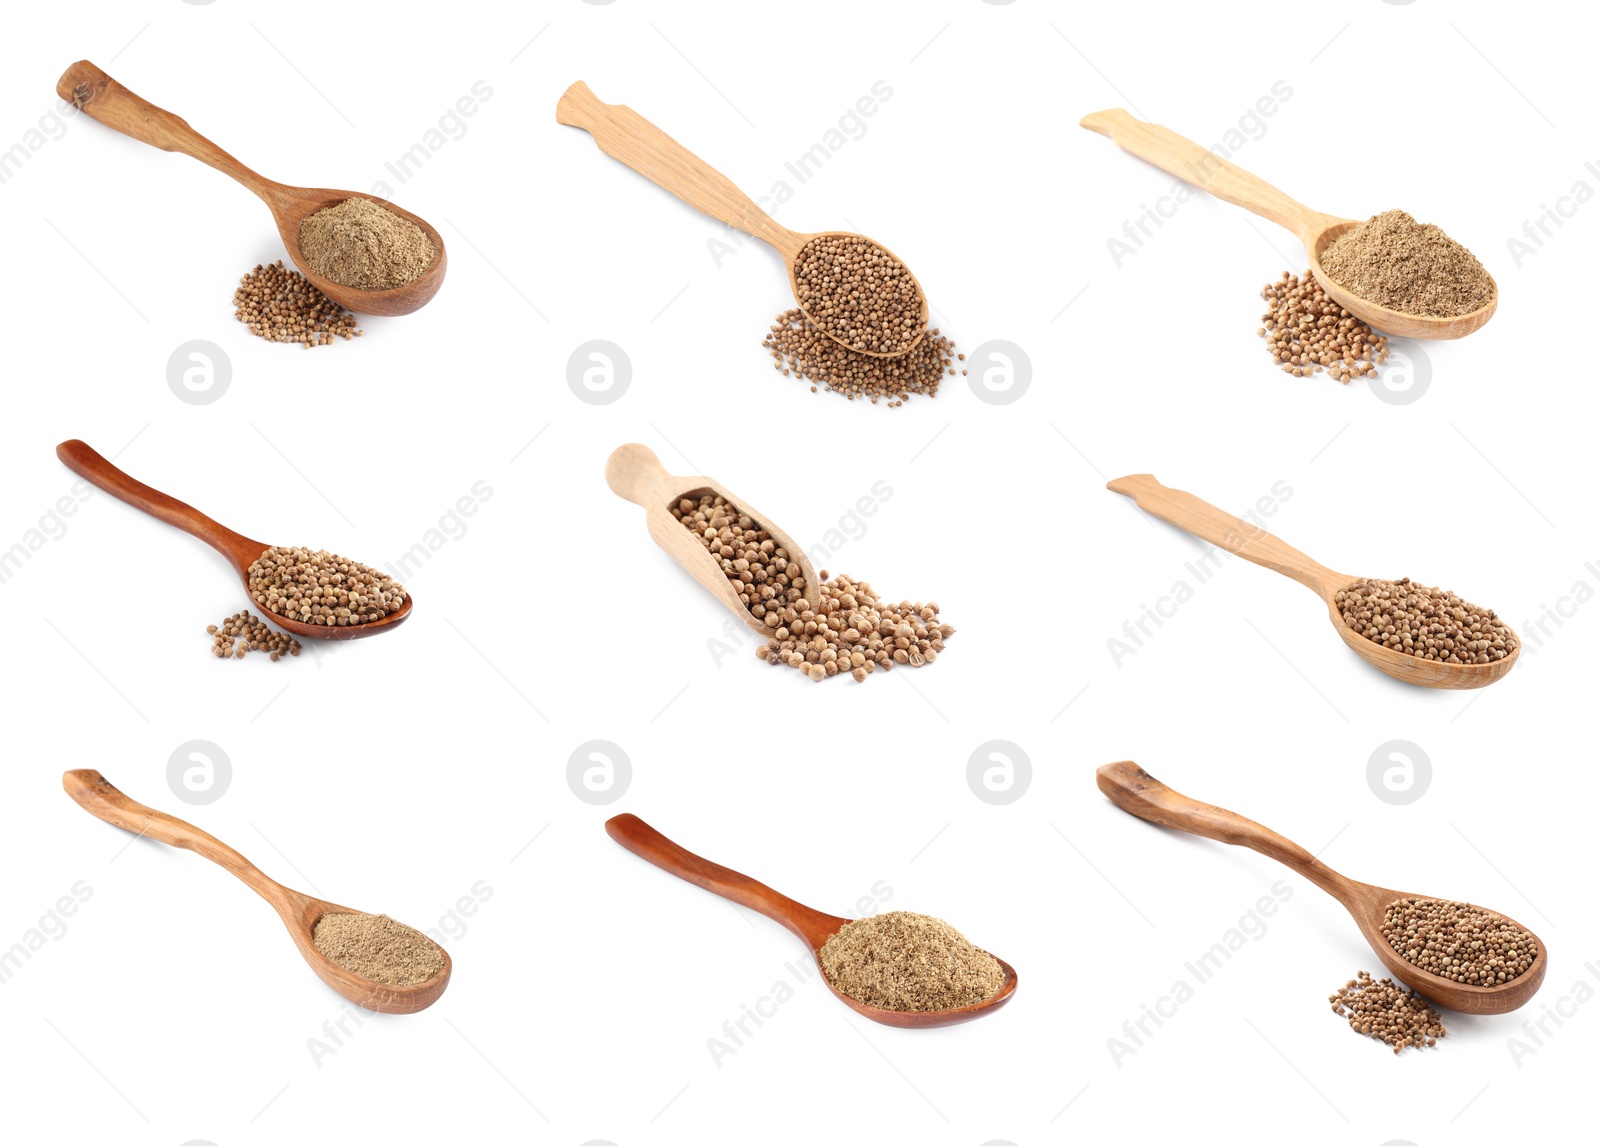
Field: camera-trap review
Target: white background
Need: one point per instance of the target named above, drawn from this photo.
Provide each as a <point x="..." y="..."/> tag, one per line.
<point x="395" y="774"/>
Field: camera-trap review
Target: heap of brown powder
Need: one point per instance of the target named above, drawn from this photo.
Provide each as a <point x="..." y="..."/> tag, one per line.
<point x="1384" y="1010"/>
<point x="902" y="961"/>
<point x="378" y="948"/>
<point x="357" y="243"/>
<point x="799" y="348"/>
<point x="281" y="305"/>
<point x="1408" y="266"/>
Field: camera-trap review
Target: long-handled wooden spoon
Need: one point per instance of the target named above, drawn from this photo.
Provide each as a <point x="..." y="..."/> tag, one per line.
<point x="1135" y="791"/>
<point x="1209" y="171"/>
<point x="241" y="551"/>
<point x="629" y="138"/>
<point x="91" y="90"/>
<point x="635" y="473"/>
<point x="299" y="912"/>
<point x="813" y="927"/>
<point x="1209" y="523"/>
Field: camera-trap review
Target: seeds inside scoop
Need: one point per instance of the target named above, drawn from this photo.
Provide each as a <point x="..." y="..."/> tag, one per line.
<point x="1424" y="622"/>
<point x="902" y="961"/>
<point x="357" y="243"/>
<point x="1457" y="941"/>
<point x="378" y="948"/>
<point x="1387" y="1011"/>
<point x="316" y="587"/>
<point x="1408" y="266"/>
<point x="858" y="293"/>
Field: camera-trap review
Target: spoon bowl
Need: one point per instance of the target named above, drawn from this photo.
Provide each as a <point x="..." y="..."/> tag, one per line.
<point x="241" y="551"/>
<point x="1256" y="545"/>
<point x="814" y="928"/>
<point x="629" y="138"/>
<point x="1203" y="168"/>
<point x="1138" y="793"/>
<point x="299" y="912"/>
<point x="91" y="90"/>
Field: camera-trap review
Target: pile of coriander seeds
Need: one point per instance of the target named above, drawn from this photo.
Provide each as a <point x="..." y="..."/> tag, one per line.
<point x="1458" y="942"/>
<point x="316" y="587"/>
<point x="243" y="633"/>
<point x="282" y="305"/>
<point x="1424" y="622"/>
<point x="1384" y="1010"/>
<point x="1307" y="332"/>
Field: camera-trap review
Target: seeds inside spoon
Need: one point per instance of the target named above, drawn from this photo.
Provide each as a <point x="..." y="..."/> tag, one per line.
<point x="382" y="966"/>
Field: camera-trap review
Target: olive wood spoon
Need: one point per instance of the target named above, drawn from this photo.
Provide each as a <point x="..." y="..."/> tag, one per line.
<point x="1207" y="170"/>
<point x="1138" y="793"/>
<point x="299" y="912"/>
<point x="1256" y="545"/>
<point x="629" y="138"/>
<point x="814" y="928"/>
<point x="90" y="89"/>
<point x="635" y="473"/>
<point x="241" y="551"/>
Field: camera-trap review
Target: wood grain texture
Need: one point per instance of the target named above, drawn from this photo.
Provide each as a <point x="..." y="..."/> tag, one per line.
<point x="241" y="551"/>
<point x="299" y="912"/>
<point x="1254" y="544"/>
<point x="1138" y="793"/>
<point x="91" y="90"/>
<point x="812" y="927"/>
<point x="1203" y="168"/>
<point x="635" y="473"/>
<point x="634" y="141"/>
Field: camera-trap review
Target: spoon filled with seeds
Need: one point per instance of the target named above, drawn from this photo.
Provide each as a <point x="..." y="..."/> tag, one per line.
<point x="1461" y="957"/>
<point x="371" y="960"/>
<point x="309" y="593"/>
<point x="853" y="290"/>
<point x="1415" y="633"/>
<point x="368" y="256"/>
<point x="898" y="968"/>
<point x="1403" y="277"/>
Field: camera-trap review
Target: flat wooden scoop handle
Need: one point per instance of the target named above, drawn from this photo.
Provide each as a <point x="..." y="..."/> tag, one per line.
<point x="1222" y="529"/>
<point x="87" y="87"/>
<point x="630" y="138"/>
<point x="812" y="926"/>
<point x="1205" y="169"/>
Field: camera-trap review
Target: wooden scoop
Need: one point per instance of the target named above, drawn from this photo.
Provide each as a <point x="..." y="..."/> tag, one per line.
<point x="299" y="912"/>
<point x="1135" y="791"/>
<point x="241" y="551"/>
<point x="1209" y="171"/>
<point x="1254" y="544"/>
<point x="813" y="927"/>
<point x="91" y="90"/>
<point x="635" y="473"/>
<point x="629" y="138"/>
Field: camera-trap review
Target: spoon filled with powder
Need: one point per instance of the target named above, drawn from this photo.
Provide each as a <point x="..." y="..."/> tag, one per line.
<point x="369" y="959"/>
<point x="367" y="256"/>
<point x="899" y="968"/>
<point x="310" y="593"/>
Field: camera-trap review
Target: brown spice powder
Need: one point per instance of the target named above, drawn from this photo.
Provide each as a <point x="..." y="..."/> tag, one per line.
<point x="902" y="961"/>
<point x="357" y="243"/>
<point x="1408" y="266"/>
<point x="378" y="948"/>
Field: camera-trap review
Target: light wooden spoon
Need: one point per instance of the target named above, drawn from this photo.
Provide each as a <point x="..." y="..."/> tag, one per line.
<point x="813" y="927"/>
<point x="1256" y="545"/>
<point x="635" y="473"/>
<point x="1209" y="171"/>
<point x="299" y="912"/>
<point x="1135" y="791"/>
<point x="629" y="138"/>
<point x="241" y="551"/>
<point x="91" y="90"/>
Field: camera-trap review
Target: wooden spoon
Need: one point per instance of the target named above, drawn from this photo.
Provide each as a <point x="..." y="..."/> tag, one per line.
<point x="81" y="459"/>
<point x="91" y="90"/>
<point x="1254" y="544"/>
<point x="813" y="927"/>
<point x="635" y="473"/>
<point x="299" y="912"/>
<point x="629" y="138"/>
<point x="1135" y="791"/>
<point x="1209" y="171"/>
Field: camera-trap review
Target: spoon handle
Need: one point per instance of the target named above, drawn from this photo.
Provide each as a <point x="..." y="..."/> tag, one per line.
<point x="1239" y="538"/>
<point x="102" y="799"/>
<point x="1205" y="169"/>
<point x="630" y="138"/>
<point x="642" y="840"/>
<point x="81" y="459"/>
<point x="1138" y="793"/>
<point x="89" y="89"/>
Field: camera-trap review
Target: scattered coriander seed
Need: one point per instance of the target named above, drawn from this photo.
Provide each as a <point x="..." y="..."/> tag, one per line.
<point x="858" y="293"/>
<point x="903" y="961"/>
<point x="378" y="948"/>
<point x="358" y="243"/>
<point x="1307" y="332"/>
<point x="281" y="305"/>
<point x="798" y="348"/>
<point x="1384" y="1010"/>
<point x="1457" y="941"/>
<point x="316" y="587"/>
<point x="1412" y="267"/>
<point x="1427" y="623"/>
<point x="242" y="633"/>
